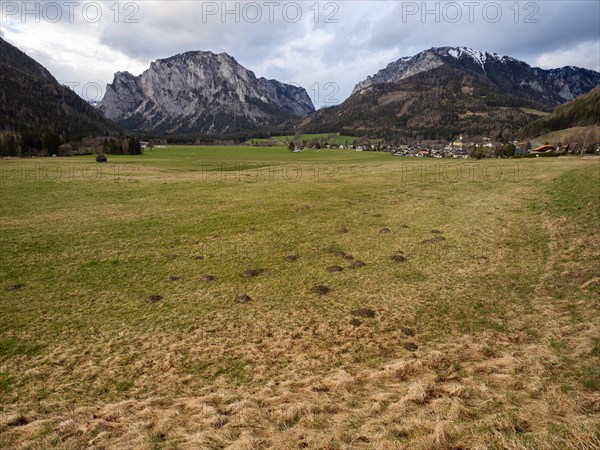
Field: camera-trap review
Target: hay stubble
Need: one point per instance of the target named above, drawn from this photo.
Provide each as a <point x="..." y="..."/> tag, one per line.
<point x="483" y="336"/>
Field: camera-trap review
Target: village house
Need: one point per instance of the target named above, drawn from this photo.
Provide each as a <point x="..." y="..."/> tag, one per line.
<point x="542" y="149"/>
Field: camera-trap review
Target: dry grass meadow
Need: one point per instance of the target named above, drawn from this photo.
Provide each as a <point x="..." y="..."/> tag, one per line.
<point x="244" y="298"/>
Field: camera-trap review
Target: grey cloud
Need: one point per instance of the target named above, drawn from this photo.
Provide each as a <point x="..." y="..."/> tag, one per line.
<point x="70" y="15"/>
<point x="182" y="28"/>
<point x="560" y="24"/>
<point x="362" y="29"/>
<point x="366" y="37"/>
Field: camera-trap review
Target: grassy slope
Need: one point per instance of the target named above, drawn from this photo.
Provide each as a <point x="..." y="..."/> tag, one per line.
<point x="534" y="112"/>
<point x="503" y="325"/>
<point x="530" y="111"/>
<point x="580" y="135"/>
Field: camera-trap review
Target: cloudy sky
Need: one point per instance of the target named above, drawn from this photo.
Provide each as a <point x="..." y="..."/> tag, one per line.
<point x="326" y="47"/>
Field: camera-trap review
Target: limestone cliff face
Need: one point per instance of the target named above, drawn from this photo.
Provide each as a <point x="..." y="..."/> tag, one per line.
<point x="201" y="92"/>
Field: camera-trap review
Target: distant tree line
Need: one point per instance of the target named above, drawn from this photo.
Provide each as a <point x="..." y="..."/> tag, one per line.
<point x="31" y="143"/>
<point x="125" y="146"/>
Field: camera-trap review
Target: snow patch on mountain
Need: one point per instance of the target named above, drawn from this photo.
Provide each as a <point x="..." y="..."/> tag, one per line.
<point x="478" y="56"/>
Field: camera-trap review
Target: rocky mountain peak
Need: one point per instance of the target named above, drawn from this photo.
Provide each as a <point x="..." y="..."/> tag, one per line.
<point x="551" y="87"/>
<point x="201" y="92"/>
<point x="443" y="91"/>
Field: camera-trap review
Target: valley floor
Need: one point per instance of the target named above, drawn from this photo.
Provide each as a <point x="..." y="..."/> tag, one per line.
<point x="473" y="323"/>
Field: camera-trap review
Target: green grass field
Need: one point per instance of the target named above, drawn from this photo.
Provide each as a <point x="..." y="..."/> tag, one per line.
<point x="534" y="112"/>
<point x="338" y="139"/>
<point x="530" y="111"/>
<point x="474" y="321"/>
